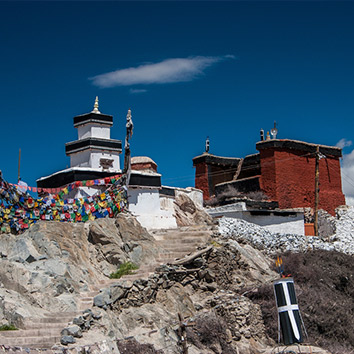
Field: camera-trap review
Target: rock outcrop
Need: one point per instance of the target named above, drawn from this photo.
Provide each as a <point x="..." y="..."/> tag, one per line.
<point x="56" y="275"/>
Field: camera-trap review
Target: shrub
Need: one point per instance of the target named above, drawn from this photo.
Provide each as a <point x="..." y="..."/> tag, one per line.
<point x="324" y="283"/>
<point x="257" y="195"/>
<point x="8" y="327"/>
<point x="124" y="269"/>
<point x="210" y="332"/>
<point x="132" y="346"/>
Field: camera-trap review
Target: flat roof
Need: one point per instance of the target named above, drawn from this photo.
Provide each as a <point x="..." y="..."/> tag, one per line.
<point x="299" y="145"/>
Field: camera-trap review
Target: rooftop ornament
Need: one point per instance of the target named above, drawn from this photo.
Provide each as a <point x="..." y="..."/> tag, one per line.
<point x="274" y="131"/>
<point x="207" y="144"/>
<point x="95" y="107"/>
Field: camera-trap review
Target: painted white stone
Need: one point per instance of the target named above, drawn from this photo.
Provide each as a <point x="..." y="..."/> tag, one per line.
<point x="144" y="203"/>
<point x="293" y="224"/>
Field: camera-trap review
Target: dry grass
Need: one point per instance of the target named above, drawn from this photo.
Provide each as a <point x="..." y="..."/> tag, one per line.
<point x="210" y="332"/>
<point x="232" y="192"/>
<point x="131" y="346"/>
<point x="325" y="289"/>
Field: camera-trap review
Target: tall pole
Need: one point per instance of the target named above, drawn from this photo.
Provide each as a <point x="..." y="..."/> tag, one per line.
<point x="19" y="166"/>
<point x="317" y="190"/>
<point x="127" y="158"/>
<point x="182" y="334"/>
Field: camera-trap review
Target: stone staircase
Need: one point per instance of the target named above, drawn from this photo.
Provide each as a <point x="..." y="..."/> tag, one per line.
<point x="45" y="332"/>
<point x="41" y="332"/>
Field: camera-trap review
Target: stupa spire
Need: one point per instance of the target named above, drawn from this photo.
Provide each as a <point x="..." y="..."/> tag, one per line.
<point x="95" y="106"/>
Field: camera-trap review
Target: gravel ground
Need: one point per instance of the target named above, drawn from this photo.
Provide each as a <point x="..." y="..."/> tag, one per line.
<point x="272" y="242"/>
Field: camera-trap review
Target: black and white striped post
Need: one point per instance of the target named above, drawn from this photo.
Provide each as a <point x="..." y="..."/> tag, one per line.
<point x="289" y="318"/>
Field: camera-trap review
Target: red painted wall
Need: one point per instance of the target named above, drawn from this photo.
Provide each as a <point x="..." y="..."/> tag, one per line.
<point x="289" y="177"/>
<point x="144" y="166"/>
<point x="201" y="179"/>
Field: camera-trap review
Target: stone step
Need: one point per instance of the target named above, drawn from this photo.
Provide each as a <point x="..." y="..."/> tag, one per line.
<point x="182" y="235"/>
<point x="191" y="228"/>
<point x="85" y="306"/>
<point x="88" y="294"/>
<point x="137" y="276"/>
<point x="61" y="314"/>
<point x="59" y="326"/>
<point x="54" y="319"/>
<point x="185" y="249"/>
<point x="42" y="341"/>
<point x="86" y="299"/>
<point x="24" y="333"/>
<point x="182" y="241"/>
<point x="160" y="237"/>
<point x="34" y="350"/>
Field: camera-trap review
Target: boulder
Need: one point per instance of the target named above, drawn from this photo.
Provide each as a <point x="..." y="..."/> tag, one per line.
<point x="23" y="251"/>
<point x="187" y="213"/>
<point x="65" y="340"/>
<point x="74" y="331"/>
<point x="102" y="299"/>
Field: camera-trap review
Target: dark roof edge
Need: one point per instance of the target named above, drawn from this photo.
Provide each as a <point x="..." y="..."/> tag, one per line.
<point x="94" y="118"/>
<point x="299" y="145"/>
<point x="216" y="160"/>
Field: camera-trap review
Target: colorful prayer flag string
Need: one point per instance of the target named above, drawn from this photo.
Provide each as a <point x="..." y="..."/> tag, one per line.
<point x="19" y="211"/>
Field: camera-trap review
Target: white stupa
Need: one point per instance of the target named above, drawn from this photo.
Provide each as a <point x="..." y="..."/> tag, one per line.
<point x="94" y="155"/>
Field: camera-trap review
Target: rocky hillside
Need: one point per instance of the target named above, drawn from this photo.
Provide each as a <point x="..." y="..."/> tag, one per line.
<point x="55" y="287"/>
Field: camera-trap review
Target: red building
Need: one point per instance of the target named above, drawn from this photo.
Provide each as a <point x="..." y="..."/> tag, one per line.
<point x="283" y="169"/>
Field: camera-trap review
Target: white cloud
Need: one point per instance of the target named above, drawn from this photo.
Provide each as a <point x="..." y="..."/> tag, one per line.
<point x="348" y="177"/>
<point x="166" y="71"/>
<point x="137" y="90"/>
<point x="342" y="143"/>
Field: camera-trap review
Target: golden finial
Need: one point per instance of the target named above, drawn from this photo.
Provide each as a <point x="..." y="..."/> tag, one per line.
<point x="95" y="106"/>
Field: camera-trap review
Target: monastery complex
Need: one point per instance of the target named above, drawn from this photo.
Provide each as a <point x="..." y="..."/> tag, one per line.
<point x="282" y="170"/>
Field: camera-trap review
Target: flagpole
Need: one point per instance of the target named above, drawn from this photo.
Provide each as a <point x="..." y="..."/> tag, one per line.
<point x="19" y="165"/>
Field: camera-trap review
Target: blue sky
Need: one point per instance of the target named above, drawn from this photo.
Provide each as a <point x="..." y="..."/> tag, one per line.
<point x="186" y="69"/>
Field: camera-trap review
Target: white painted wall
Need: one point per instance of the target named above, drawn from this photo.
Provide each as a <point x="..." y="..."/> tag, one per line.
<point x="167" y="203"/>
<point x="292" y="224"/>
<point x="144" y="203"/>
<point x="144" y="200"/>
<point x="91" y="158"/>
<point x="94" y="130"/>
<point x="96" y="155"/>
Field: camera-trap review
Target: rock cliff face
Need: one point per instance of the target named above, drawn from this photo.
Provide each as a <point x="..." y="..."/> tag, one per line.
<point x="46" y="268"/>
<point x="58" y="268"/>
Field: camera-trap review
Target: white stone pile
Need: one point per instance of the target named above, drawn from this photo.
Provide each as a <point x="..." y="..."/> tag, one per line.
<point x="272" y="242"/>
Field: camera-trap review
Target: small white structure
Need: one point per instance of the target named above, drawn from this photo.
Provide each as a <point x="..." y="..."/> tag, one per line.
<point x="144" y="195"/>
<point x="288" y="221"/>
<point x="93" y="156"/>
<point x="149" y="201"/>
<point x="94" y="148"/>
